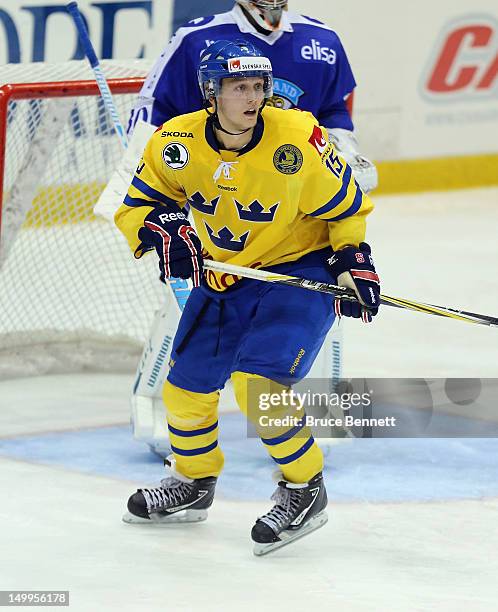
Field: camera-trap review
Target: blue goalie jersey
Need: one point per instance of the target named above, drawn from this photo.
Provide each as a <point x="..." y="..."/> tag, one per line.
<point x="310" y="68"/>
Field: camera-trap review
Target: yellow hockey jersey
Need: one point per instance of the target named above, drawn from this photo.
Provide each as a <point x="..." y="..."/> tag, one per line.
<point x="285" y="194"/>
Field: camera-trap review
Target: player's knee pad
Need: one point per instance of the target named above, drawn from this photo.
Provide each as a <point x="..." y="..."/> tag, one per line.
<point x="252" y="393"/>
<point x="189" y="408"/>
<point x="242" y="382"/>
<point x="258" y="396"/>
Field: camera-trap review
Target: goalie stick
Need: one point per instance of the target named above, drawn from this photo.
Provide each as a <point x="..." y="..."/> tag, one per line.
<point x="349" y="294"/>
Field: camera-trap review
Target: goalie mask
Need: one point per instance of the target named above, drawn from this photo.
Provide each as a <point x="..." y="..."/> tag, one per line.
<point x="265" y="13"/>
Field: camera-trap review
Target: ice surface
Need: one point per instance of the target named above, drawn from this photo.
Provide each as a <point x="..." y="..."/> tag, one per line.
<point x="439" y="248"/>
<point x="412" y="522"/>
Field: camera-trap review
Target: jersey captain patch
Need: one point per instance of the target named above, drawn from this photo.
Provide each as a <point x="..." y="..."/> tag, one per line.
<point x="288" y="159"/>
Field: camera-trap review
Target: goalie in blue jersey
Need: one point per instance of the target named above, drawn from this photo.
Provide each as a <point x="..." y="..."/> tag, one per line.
<point x="311" y="72"/>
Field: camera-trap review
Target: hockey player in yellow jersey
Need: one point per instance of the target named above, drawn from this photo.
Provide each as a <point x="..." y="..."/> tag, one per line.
<point x="267" y="190"/>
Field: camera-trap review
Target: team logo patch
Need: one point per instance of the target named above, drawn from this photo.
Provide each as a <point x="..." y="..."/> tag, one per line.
<point x="285" y="94"/>
<point x="288" y="159"/>
<point x="176" y="155"/>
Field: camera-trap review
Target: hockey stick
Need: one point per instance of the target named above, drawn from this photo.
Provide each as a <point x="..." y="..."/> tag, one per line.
<point x="349" y="294"/>
<point x="73" y="10"/>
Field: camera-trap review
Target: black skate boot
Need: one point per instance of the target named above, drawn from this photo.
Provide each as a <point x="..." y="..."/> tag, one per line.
<point x="177" y="500"/>
<point x="299" y="509"/>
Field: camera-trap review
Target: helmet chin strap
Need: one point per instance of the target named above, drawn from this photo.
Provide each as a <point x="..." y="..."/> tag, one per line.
<point x="217" y="124"/>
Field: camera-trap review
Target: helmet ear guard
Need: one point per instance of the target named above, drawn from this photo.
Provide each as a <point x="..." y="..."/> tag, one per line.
<point x="209" y="90"/>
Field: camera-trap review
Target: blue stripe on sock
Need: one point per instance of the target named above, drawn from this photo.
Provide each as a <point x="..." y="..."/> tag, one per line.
<point x="299" y="453"/>
<point x="194" y="451"/>
<point x="284" y="437"/>
<point x="195" y="432"/>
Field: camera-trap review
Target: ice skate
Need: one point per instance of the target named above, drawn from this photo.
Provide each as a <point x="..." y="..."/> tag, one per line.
<point x="176" y="500"/>
<point x="299" y="509"/>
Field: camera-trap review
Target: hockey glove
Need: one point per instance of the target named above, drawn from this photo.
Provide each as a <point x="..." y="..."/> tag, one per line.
<point x="354" y="268"/>
<point x="167" y="230"/>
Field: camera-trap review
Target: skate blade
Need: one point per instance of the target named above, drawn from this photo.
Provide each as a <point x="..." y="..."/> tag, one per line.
<point x="287" y="537"/>
<point x="186" y="516"/>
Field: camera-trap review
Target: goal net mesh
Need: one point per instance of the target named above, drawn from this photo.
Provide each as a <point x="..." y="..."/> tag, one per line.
<point x="71" y="294"/>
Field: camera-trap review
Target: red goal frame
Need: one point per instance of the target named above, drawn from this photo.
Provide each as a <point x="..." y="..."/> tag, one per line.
<point x="63" y="89"/>
<point x="55" y="89"/>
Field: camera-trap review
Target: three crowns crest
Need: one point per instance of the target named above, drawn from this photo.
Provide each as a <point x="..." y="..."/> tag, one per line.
<point x="225" y="239"/>
<point x="255" y="212"/>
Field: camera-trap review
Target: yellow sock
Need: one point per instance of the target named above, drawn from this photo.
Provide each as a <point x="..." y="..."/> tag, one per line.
<point x="193" y="429"/>
<point x="290" y="444"/>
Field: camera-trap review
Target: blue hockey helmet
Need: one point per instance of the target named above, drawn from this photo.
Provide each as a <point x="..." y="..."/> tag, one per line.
<point x="226" y="59"/>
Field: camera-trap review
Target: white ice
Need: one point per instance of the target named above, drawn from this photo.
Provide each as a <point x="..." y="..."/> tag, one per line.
<point x="61" y="527"/>
<point x="438" y="248"/>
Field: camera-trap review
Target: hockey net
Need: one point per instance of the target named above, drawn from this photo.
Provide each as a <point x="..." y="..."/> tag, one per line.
<point x="71" y="295"/>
